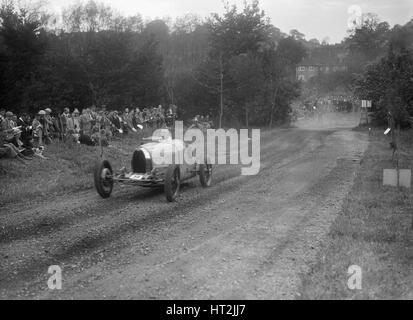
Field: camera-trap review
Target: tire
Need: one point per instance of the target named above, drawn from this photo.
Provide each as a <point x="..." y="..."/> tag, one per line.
<point x="205" y="175"/>
<point x="172" y="183"/>
<point x="103" y="185"/>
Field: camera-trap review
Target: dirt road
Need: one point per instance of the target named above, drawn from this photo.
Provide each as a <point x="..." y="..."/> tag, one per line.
<point x="246" y="237"/>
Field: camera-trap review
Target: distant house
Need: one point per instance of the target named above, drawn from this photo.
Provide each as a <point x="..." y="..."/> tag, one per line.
<point x="313" y="66"/>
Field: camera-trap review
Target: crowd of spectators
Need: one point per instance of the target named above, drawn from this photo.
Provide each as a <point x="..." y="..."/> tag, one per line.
<point x="202" y="122"/>
<point x="23" y="136"/>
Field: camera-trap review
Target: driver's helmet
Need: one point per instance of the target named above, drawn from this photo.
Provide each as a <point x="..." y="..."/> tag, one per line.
<point x="165" y="134"/>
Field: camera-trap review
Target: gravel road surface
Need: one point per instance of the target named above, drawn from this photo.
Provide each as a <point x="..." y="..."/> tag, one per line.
<point x="245" y="237"/>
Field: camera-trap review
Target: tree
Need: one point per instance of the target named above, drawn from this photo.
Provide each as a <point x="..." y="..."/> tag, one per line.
<point x="281" y="86"/>
<point x="291" y="50"/>
<point x="297" y="35"/>
<point x="325" y="41"/>
<point x="236" y="65"/>
<point x="235" y="34"/>
<point x="97" y="16"/>
<point x="388" y="83"/>
<point x="24" y="45"/>
<point x="238" y="32"/>
<point x="367" y="43"/>
<point x="246" y="73"/>
<point x="314" y="42"/>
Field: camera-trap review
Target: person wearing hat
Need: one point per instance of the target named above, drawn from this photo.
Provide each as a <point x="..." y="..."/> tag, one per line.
<point x="116" y="121"/>
<point x="2" y="116"/>
<point x="9" y="150"/>
<point x="37" y="126"/>
<point x="51" y="127"/>
<point x="85" y="121"/>
<point x="93" y="115"/>
<point x="63" y="119"/>
<point x="76" y="125"/>
<point x="44" y="121"/>
<point x="24" y="123"/>
<point x="70" y="127"/>
<point x="76" y="119"/>
<point x="10" y="132"/>
<point x="7" y="123"/>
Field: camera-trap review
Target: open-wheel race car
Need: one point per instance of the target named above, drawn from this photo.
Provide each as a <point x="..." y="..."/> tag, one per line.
<point x="146" y="172"/>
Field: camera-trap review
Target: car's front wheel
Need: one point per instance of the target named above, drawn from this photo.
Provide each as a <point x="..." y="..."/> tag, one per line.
<point x="103" y="177"/>
<point x="205" y="174"/>
<point x="172" y="183"/>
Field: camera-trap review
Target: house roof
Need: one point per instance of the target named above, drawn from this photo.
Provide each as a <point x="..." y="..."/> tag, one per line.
<point x="321" y="61"/>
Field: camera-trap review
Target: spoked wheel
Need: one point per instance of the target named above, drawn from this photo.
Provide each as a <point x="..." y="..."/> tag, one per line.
<point x="103" y="176"/>
<point x="172" y="183"/>
<point x="205" y="174"/>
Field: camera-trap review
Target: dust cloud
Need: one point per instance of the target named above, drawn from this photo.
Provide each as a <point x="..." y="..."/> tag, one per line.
<point x="329" y="121"/>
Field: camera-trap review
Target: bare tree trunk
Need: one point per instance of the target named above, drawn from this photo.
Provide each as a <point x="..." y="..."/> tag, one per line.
<point x="246" y="116"/>
<point x="273" y="107"/>
<point x="221" y="113"/>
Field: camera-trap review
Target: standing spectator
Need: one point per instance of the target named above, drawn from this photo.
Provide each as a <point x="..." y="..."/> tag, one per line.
<point x="105" y="123"/>
<point x="76" y="125"/>
<point x="48" y="127"/>
<point x="2" y="117"/>
<point x="64" y="122"/>
<point x="44" y="127"/>
<point x="70" y="126"/>
<point x="117" y="121"/>
<point x="129" y="119"/>
<point x="209" y="122"/>
<point x="56" y="128"/>
<point x="85" y="122"/>
<point x="93" y="115"/>
<point x="160" y="116"/>
<point x="76" y="119"/>
<point x="14" y="119"/>
<point x="38" y="128"/>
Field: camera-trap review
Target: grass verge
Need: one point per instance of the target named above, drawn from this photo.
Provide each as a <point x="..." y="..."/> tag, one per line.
<point x="373" y="231"/>
<point x="69" y="168"/>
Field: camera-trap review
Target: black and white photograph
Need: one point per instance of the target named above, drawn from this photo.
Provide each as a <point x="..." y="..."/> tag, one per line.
<point x="206" y="154"/>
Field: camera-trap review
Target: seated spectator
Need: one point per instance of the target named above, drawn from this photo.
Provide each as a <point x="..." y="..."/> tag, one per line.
<point x="7" y="123"/>
<point x="11" y="132"/>
<point x="9" y="150"/>
<point x="23" y="122"/>
<point x="27" y="134"/>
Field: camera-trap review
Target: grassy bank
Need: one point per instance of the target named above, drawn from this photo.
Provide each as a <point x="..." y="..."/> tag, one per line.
<point x="372" y="231"/>
<point x="69" y="168"/>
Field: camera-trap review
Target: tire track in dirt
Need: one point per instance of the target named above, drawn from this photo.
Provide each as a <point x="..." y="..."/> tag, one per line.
<point x="151" y="276"/>
<point x="90" y="242"/>
<point x="69" y="208"/>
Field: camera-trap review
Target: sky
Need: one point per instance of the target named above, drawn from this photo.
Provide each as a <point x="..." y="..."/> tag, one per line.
<point x="315" y="18"/>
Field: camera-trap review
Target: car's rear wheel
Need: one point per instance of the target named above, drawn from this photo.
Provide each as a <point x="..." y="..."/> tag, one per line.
<point x="172" y="183"/>
<point x="103" y="176"/>
<point x="205" y="174"/>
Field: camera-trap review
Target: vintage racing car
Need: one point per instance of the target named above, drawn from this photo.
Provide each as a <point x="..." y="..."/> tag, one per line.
<point x="146" y="173"/>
